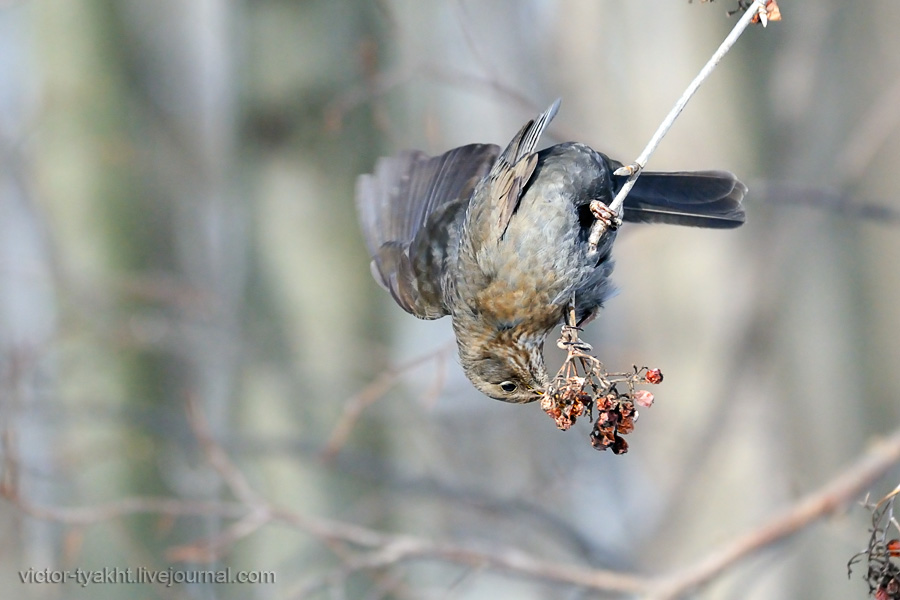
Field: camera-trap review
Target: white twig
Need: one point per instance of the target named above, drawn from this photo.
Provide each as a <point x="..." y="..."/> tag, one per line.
<point x="634" y="170"/>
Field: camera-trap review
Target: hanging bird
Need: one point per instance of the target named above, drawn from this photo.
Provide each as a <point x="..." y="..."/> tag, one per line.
<point x="499" y="241"/>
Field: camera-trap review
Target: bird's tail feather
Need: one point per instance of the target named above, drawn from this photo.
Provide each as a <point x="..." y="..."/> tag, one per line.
<point x="710" y="199"/>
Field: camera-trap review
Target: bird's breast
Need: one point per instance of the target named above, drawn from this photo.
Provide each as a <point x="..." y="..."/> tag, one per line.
<point x="527" y="277"/>
<point x="524" y="303"/>
<point x="527" y="271"/>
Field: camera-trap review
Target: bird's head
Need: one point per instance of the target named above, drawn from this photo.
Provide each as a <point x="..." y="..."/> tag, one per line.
<point x="506" y="367"/>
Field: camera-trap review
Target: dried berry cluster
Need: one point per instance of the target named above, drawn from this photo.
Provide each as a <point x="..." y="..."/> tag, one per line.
<point x="566" y="403"/>
<point x="582" y="385"/>
<point x="882" y="555"/>
<point x="615" y="418"/>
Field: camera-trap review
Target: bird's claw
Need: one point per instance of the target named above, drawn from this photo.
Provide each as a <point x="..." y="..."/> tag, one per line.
<point x="570" y="341"/>
<point x="609" y="218"/>
<point x="605" y="220"/>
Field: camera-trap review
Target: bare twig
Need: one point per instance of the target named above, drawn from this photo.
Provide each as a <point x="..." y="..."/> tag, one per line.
<point x="213" y="549"/>
<point x="633" y="171"/>
<point x="218" y="458"/>
<point x="77" y="516"/>
<point x="354" y="406"/>
<point x="831" y="497"/>
<point x="832" y="199"/>
<point x="380" y="549"/>
<point x="834" y="495"/>
<point x="386" y="81"/>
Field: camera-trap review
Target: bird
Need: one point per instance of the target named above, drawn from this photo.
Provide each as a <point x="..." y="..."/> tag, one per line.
<point x="499" y="241"/>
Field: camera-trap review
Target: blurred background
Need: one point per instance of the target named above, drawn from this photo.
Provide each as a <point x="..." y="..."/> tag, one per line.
<point x="177" y="226"/>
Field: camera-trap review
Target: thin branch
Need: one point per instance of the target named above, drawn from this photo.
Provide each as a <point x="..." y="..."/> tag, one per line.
<point x="829" y="198"/>
<point x="218" y="458"/>
<point x="386" y="549"/>
<point x="634" y="170"/>
<point x="211" y="549"/>
<point x="509" y="560"/>
<point x="78" y="516"/>
<point x="757" y="11"/>
<point x="355" y="405"/>
<point x="382" y="83"/>
<point x="830" y="498"/>
<point x="391" y="549"/>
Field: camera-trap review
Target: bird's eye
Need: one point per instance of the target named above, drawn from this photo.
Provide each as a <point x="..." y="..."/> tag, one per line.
<point x="508" y="387"/>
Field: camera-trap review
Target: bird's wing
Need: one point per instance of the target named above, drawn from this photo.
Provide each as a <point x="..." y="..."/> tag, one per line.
<point x="394" y="205"/>
<point x="514" y="168"/>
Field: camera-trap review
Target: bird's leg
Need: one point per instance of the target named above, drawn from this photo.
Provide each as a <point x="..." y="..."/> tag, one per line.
<point x="570" y="314"/>
<point x="569" y="336"/>
<point x="605" y="220"/>
<point x="603" y="213"/>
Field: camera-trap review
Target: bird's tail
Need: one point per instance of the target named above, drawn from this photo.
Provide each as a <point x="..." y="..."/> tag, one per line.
<point x="709" y="199"/>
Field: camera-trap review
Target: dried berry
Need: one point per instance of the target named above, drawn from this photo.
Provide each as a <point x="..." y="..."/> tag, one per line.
<point x="653" y="376"/>
<point x="620" y="446"/>
<point x="643" y="398"/>
<point x="602" y="437"/>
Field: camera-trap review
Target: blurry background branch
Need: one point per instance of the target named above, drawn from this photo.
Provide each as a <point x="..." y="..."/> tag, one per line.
<point x="375" y="550"/>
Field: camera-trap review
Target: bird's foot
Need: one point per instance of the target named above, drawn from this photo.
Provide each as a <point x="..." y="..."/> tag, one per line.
<point x="570" y="341"/>
<point x="605" y="220"/>
<point x="605" y="215"/>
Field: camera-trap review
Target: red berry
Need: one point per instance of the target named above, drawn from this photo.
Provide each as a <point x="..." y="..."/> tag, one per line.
<point x="653" y="376"/>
